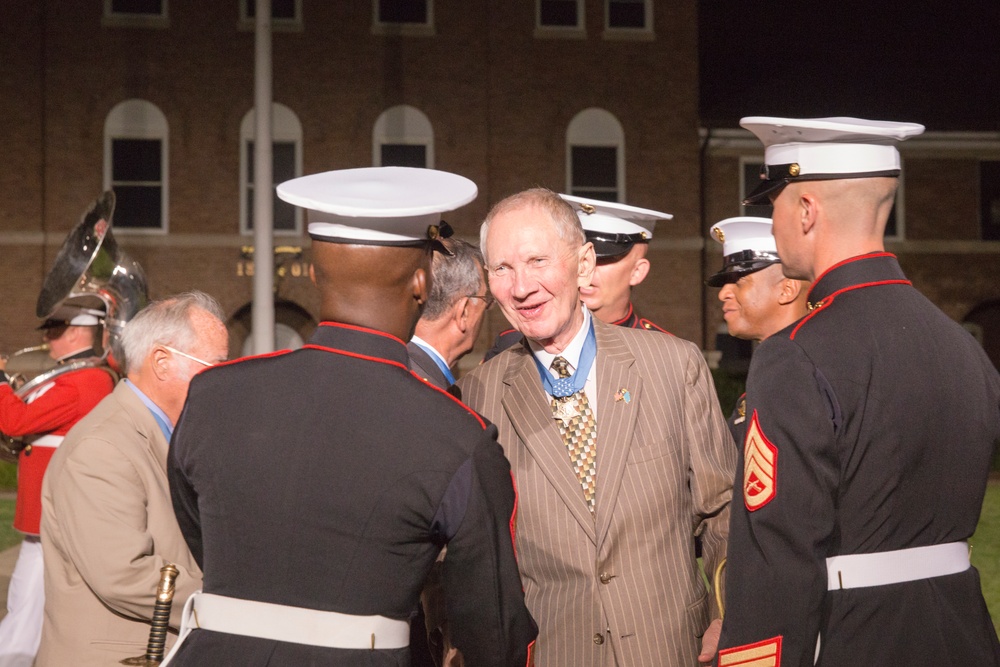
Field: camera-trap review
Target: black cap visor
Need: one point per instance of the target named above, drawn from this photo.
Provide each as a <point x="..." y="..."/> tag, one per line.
<point x="741" y="266"/>
<point x="612" y="246"/>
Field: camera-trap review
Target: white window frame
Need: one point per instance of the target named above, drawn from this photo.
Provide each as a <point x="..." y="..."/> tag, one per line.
<point x="248" y="23"/>
<point x="113" y="19"/>
<point x="140" y="119"/>
<point x="599" y="128"/>
<point x="579" y="31"/>
<point x="403" y="124"/>
<point x="405" y="29"/>
<point x="285" y="128"/>
<point x="644" y="33"/>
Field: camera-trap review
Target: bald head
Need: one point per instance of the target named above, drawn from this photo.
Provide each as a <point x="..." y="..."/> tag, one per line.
<point x="377" y="287"/>
<point x="817" y="224"/>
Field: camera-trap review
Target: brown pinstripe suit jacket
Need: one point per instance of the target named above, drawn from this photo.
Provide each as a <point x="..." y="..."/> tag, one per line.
<point x="622" y="586"/>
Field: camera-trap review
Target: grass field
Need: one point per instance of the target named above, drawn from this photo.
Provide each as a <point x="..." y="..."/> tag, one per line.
<point x="985" y="545"/>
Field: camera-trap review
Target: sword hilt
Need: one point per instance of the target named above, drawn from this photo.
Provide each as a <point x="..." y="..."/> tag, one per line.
<point x="161" y="620"/>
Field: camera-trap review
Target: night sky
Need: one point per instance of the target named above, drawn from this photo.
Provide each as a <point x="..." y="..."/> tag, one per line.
<point x="931" y="62"/>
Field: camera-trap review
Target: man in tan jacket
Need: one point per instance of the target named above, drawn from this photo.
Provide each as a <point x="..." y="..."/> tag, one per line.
<point x="108" y="525"/>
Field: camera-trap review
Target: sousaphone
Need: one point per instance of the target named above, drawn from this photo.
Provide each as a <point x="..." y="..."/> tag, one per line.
<point x="89" y="268"/>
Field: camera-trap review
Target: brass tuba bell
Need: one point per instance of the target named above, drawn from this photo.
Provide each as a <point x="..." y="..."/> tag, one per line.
<point x="88" y="268"/>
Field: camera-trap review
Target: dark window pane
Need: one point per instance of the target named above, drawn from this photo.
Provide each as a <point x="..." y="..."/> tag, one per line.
<point x="890" y="225"/>
<point x="404" y="155"/>
<point x="602" y="195"/>
<point x="280" y="9"/>
<point x="402" y="11"/>
<point x="146" y="7"/>
<point x="558" y="13"/>
<point x="751" y="179"/>
<point x="989" y="188"/>
<point x="283" y="166"/>
<point x="138" y="206"/>
<point x="135" y="159"/>
<point x="282" y="161"/>
<point x="626" y="14"/>
<point x="283" y="213"/>
<point x="595" y="166"/>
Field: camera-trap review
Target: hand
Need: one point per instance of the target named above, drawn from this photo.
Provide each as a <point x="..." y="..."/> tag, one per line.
<point x="710" y="641"/>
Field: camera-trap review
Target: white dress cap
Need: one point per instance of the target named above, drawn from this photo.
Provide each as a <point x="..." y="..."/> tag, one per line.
<point x="614" y="218"/>
<point x="747" y="246"/>
<point x="825" y="149"/>
<point x="67" y="315"/>
<point x="614" y="228"/>
<point x="378" y="205"/>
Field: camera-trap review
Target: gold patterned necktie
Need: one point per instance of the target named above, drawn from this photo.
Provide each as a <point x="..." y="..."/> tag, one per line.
<point x="579" y="431"/>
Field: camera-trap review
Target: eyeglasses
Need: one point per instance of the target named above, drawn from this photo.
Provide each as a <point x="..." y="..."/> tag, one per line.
<point x="192" y="358"/>
<point x="487" y="299"/>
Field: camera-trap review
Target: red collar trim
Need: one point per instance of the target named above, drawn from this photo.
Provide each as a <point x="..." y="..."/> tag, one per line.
<point x="625" y="319"/>
<point x="825" y="303"/>
<point x="353" y="327"/>
<point x="849" y="260"/>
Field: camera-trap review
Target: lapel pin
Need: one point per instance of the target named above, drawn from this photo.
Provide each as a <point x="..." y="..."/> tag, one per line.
<point x="623" y="395"/>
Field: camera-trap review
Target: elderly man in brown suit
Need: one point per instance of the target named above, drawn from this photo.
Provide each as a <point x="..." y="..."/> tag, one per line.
<point x="619" y="452"/>
<point x="108" y="524"/>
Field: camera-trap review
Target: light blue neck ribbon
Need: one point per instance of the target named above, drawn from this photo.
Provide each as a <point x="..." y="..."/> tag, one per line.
<point x="568" y="386"/>
<point x="437" y="360"/>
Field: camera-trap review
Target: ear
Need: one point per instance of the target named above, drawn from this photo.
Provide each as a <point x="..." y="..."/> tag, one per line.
<point x="420" y="286"/>
<point x="312" y="274"/>
<point x="808" y="210"/>
<point x="639" y="272"/>
<point x="460" y="313"/>
<point x="159" y="362"/>
<point x="790" y="290"/>
<point x="587" y="262"/>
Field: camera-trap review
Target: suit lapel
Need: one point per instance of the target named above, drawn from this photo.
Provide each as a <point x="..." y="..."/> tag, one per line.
<point x="529" y="411"/>
<point x="616" y="418"/>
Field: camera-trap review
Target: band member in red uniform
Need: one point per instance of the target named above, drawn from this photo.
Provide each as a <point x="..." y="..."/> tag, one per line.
<point x="41" y="419"/>
<point x="620" y="234"/>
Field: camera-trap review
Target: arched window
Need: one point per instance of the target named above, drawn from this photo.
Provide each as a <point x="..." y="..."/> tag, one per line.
<point x="403" y="137"/>
<point x="286" y="160"/>
<point x="595" y="156"/>
<point x="135" y="165"/>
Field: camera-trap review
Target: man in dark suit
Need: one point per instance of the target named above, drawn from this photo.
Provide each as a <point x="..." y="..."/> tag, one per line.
<point x="871" y="424"/>
<point x="317" y="487"/>
<point x="448" y="328"/>
<point x="619" y="451"/>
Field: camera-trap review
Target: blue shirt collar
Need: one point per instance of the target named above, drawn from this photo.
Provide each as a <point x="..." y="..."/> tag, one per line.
<point x="161" y="417"/>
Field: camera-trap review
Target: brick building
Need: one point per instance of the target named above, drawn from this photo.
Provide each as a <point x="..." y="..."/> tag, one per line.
<point x="153" y="98"/>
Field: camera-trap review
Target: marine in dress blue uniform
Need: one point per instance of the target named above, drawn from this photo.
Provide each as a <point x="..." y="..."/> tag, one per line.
<point x="326" y="480"/>
<point x="871" y="428"/>
<point x="757" y="300"/>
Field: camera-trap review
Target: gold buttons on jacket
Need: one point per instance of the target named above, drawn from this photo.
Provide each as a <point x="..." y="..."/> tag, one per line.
<point x="598" y="639"/>
<point x="606" y="578"/>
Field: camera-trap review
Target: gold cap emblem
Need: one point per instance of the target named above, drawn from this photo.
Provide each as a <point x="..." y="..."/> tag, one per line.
<point x="588" y="209"/>
<point x="794" y="169"/>
<point x="433" y="232"/>
<point x="719" y="235"/>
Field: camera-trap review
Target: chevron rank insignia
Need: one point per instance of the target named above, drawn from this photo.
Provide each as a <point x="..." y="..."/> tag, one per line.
<point x="760" y="467"/>
<point x="762" y="654"/>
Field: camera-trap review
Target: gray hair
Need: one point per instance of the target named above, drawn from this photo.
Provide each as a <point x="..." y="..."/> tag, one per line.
<point x="561" y="214"/>
<point x="453" y="277"/>
<point x="165" y="322"/>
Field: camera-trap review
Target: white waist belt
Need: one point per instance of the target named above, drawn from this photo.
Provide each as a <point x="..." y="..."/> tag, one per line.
<point x="894" y="567"/>
<point x="329" y="629"/>
<point x="47" y="441"/>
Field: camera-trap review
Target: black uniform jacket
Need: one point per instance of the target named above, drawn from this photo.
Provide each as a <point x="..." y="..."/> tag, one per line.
<point x="870" y="428"/>
<point x="512" y="337"/>
<point x="329" y="478"/>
